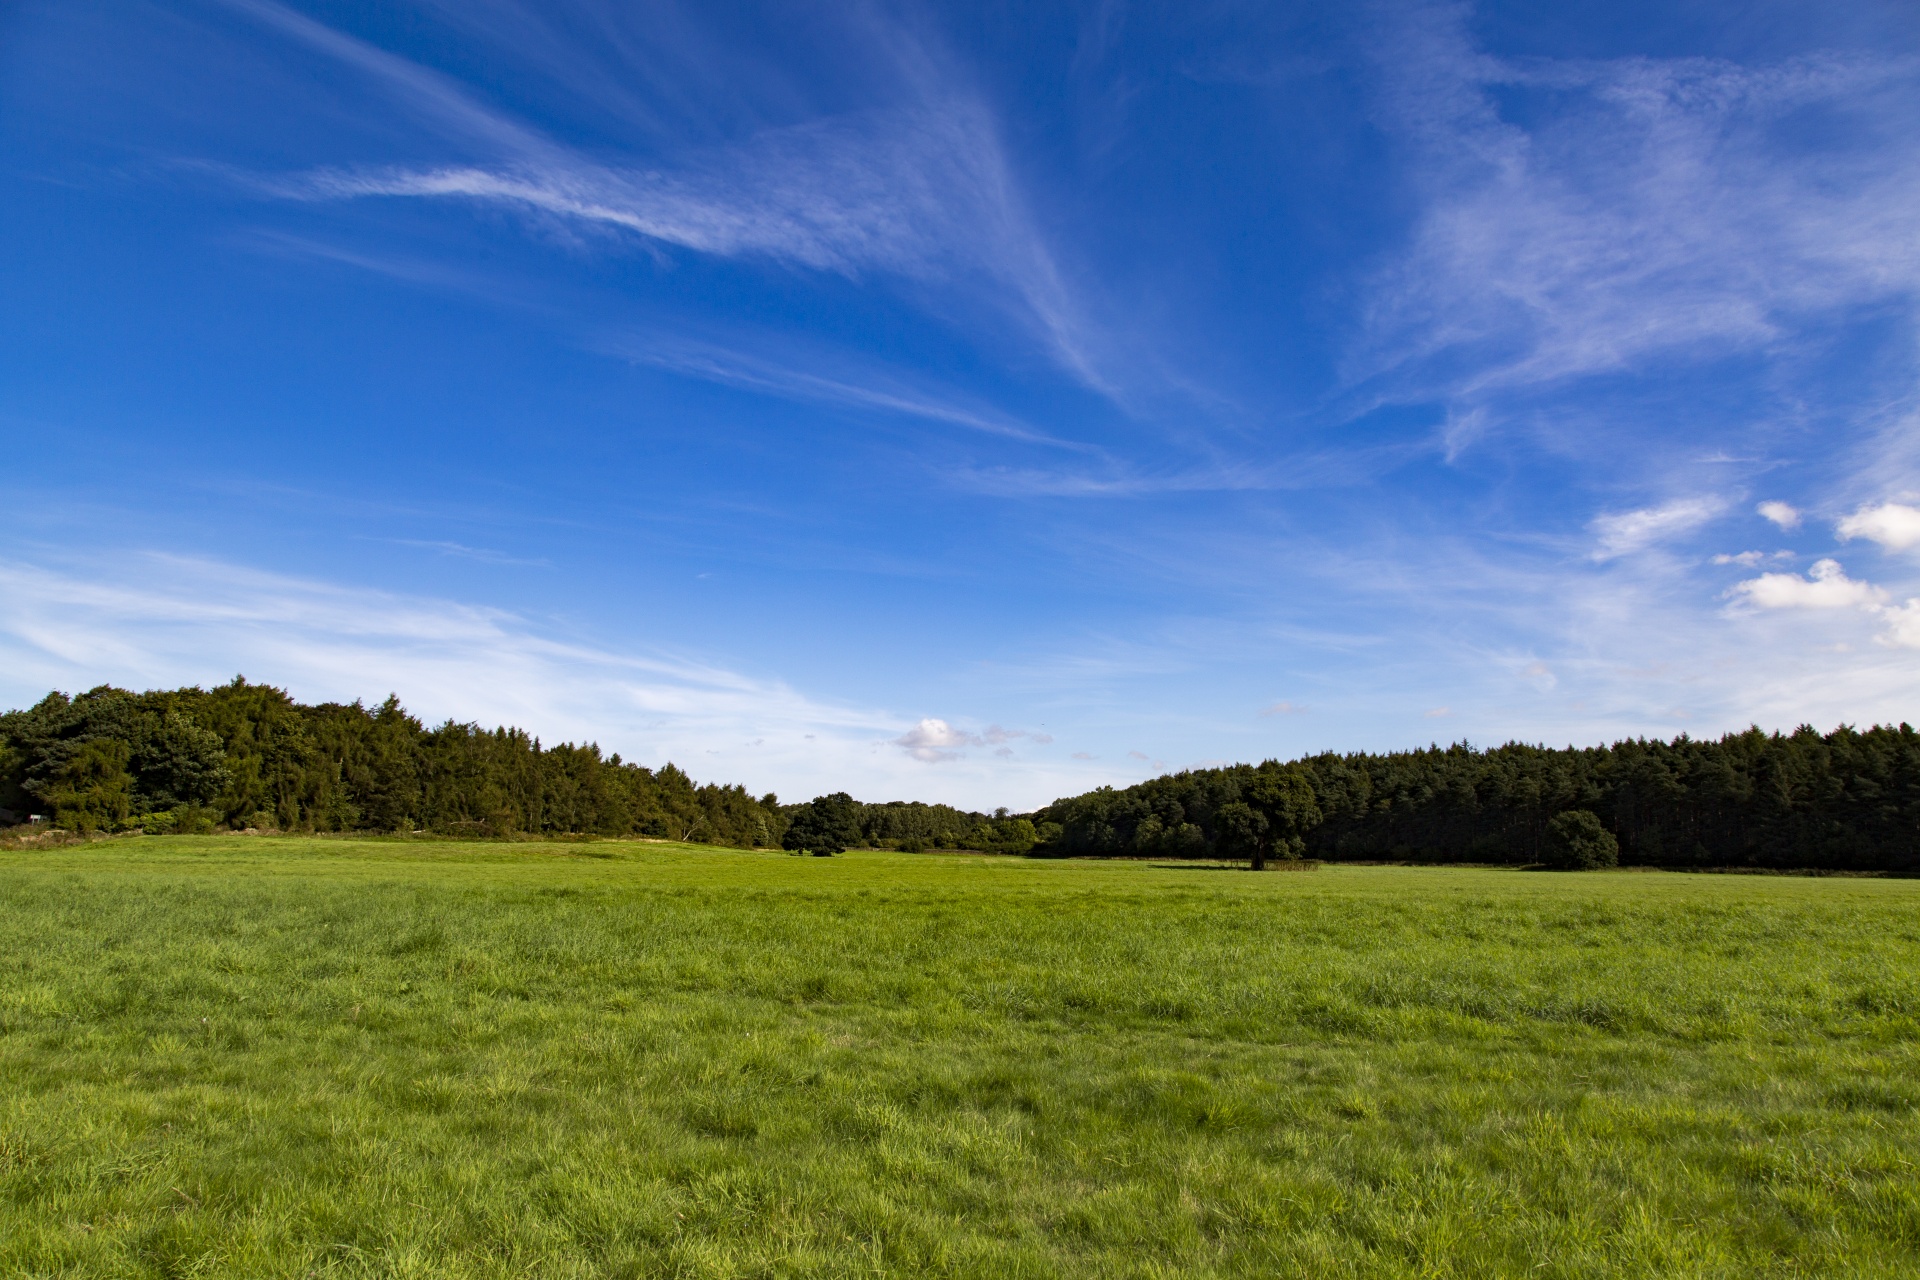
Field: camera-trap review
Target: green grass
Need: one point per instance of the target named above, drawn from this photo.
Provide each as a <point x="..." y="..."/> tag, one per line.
<point x="260" y="1057"/>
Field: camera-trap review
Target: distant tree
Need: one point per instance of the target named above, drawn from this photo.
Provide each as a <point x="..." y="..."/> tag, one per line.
<point x="825" y="824"/>
<point x="1576" y="841"/>
<point x="1283" y="800"/>
<point x="1240" y="831"/>
<point x="1015" y="835"/>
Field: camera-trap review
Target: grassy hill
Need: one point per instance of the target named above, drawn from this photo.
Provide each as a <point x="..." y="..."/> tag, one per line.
<point x="249" y="1056"/>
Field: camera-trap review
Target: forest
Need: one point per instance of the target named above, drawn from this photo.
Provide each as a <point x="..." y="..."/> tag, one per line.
<point x="245" y="755"/>
<point x="248" y="756"/>
<point x="1847" y="801"/>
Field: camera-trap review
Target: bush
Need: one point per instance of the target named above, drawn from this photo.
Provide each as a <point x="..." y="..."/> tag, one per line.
<point x="182" y="820"/>
<point x="1576" y="841"/>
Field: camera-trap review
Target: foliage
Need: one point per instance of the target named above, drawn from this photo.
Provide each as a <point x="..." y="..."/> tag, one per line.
<point x="269" y="1057"/>
<point x="1577" y="842"/>
<point x="1244" y="812"/>
<point x="1847" y="800"/>
<point x="89" y="788"/>
<point x="915" y="827"/>
<point x="826" y="824"/>
<point x="246" y="755"/>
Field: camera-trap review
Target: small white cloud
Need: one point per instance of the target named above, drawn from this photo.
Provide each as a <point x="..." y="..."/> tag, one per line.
<point x="1283" y="709"/>
<point x="1082" y="755"/>
<point x="1136" y="755"/>
<point x="1746" y="559"/>
<point x="1826" y="586"/>
<point x="1893" y="525"/>
<point x="1437" y="713"/>
<point x="1903" y="625"/>
<point x="1625" y="532"/>
<point x="1005" y="753"/>
<point x="934" y="740"/>
<point x="1780" y="513"/>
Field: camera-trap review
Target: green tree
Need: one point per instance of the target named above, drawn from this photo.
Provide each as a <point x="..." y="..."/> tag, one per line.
<point x="1240" y="831"/>
<point x="1283" y="800"/>
<point x="1576" y="841"/>
<point x="825" y="824"/>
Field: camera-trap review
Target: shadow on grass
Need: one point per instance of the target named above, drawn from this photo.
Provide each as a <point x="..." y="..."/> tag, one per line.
<point x="1234" y="866"/>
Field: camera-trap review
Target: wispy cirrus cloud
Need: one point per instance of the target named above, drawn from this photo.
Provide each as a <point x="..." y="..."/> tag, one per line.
<point x="1652" y="210"/>
<point x="917" y="187"/>
<point x="1625" y="532"/>
<point x="829" y="381"/>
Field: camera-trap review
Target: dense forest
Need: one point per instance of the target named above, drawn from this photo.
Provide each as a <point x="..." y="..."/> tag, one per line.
<point x="1845" y="800"/>
<point x="246" y="755"/>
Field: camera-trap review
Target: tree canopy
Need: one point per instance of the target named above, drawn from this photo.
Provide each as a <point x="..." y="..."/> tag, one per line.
<point x="248" y="755"/>
<point x="1846" y="800"/>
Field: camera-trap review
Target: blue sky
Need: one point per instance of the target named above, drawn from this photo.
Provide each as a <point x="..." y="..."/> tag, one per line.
<point x="976" y="403"/>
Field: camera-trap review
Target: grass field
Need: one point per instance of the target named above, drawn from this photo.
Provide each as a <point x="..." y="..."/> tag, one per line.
<point x="260" y="1057"/>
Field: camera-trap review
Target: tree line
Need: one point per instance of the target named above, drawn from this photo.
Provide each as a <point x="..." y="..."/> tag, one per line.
<point x="1847" y="800"/>
<point x="248" y="755"/>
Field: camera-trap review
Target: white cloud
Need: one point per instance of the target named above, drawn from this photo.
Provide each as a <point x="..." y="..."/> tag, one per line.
<point x="1626" y="532"/>
<point x="1826" y="586"/>
<point x="1903" y="625"/>
<point x="1893" y="525"/>
<point x="1781" y="514"/>
<point x="1282" y="708"/>
<point x="934" y="740"/>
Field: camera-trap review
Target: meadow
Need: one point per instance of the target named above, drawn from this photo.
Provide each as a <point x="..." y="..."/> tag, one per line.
<point x="251" y="1056"/>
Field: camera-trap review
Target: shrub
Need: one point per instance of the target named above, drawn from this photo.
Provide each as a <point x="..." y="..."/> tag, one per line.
<point x="1576" y="841"/>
